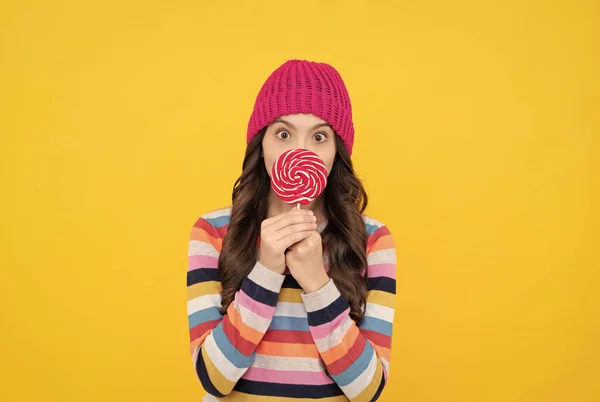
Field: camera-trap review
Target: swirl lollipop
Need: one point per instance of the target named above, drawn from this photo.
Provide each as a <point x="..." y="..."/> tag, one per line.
<point x="298" y="176"/>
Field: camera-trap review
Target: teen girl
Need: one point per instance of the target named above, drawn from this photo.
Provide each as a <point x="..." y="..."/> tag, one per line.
<point x="285" y="303"/>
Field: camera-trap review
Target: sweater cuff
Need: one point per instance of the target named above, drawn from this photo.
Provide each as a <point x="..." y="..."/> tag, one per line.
<point x="266" y="278"/>
<point x="321" y="298"/>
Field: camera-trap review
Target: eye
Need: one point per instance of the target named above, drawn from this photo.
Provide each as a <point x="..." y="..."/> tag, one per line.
<point x="283" y="134"/>
<point x="321" y="137"/>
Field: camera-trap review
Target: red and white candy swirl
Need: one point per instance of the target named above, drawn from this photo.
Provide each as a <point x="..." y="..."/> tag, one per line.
<point x="298" y="176"/>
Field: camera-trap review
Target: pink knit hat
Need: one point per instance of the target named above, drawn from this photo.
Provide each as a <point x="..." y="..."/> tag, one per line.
<point x="301" y="86"/>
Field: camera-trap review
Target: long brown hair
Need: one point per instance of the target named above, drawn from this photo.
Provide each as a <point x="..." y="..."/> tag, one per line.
<point x="344" y="236"/>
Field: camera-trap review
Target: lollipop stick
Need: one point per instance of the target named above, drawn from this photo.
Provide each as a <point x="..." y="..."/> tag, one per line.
<point x="298" y="205"/>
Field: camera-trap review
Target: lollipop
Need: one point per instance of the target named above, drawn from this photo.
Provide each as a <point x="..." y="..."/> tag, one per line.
<point x="298" y="176"/>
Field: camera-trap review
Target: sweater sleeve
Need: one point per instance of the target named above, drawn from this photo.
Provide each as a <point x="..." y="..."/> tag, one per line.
<point x="223" y="346"/>
<point x="358" y="356"/>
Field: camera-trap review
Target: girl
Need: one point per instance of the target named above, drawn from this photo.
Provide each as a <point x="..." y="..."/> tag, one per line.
<point x="286" y="303"/>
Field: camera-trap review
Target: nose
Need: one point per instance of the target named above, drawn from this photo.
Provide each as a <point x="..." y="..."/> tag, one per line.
<point x="303" y="141"/>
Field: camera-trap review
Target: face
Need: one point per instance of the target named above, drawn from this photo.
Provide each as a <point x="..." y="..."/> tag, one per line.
<point x="299" y="131"/>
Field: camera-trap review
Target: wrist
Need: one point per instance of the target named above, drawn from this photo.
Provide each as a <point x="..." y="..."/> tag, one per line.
<point x="277" y="268"/>
<point x="316" y="284"/>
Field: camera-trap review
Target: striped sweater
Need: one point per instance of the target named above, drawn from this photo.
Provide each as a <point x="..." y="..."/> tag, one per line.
<point x="277" y="343"/>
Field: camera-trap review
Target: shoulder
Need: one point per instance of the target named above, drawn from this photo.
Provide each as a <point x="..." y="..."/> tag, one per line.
<point x="379" y="236"/>
<point x="217" y="218"/>
<point x="375" y="228"/>
<point x="212" y="223"/>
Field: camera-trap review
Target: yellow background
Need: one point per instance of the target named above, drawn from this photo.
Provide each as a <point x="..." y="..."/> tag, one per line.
<point x="477" y="137"/>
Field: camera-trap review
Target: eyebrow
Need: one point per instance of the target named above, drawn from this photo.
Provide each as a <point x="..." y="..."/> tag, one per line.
<point x="292" y="126"/>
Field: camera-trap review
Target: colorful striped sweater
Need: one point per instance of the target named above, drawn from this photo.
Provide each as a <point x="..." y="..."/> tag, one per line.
<point x="277" y="343"/>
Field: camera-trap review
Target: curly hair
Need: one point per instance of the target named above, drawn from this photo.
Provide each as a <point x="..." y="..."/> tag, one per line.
<point x="344" y="237"/>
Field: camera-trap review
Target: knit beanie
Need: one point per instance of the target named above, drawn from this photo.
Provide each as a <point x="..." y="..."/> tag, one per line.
<point x="301" y="86"/>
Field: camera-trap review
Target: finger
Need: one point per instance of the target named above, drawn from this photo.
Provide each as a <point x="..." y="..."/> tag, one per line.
<point x="289" y="218"/>
<point x="292" y="220"/>
<point x="275" y="218"/>
<point x="277" y="223"/>
<point x="298" y="227"/>
<point x="294" y="238"/>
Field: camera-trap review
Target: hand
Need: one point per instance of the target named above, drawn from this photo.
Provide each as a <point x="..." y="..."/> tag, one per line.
<point x="280" y="232"/>
<point x="305" y="261"/>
